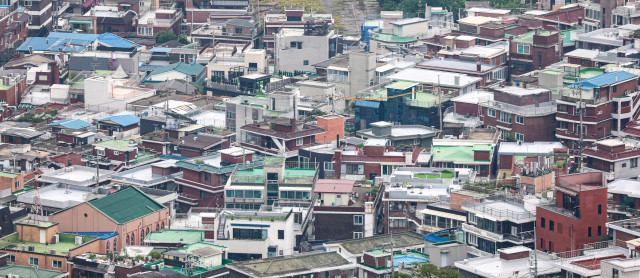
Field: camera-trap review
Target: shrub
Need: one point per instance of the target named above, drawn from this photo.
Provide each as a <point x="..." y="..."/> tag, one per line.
<point x="155" y="255"/>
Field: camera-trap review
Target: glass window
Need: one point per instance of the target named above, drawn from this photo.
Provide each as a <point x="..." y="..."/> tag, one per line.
<point x="257" y="194"/>
<point x="33" y="261"/>
<point x="283" y="194"/>
<point x="357" y="220"/>
<point x="519" y="136"/>
<point x="11" y="258"/>
<point x="57" y="264"/>
<point x="230" y="193"/>
<point x="634" y="162"/>
<point x="520" y="120"/>
<point x="239" y="194"/>
<point x="491" y="112"/>
<point x="255" y="234"/>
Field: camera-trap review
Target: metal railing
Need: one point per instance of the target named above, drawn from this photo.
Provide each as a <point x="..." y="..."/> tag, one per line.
<point x="499" y="213"/>
<point x="338" y="78"/>
<point x="518" y="110"/>
<point x="482" y="232"/>
<point x="258" y="160"/>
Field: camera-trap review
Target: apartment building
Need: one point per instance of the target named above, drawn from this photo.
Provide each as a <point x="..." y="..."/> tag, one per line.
<point x="149" y="24"/>
<point x="535" y="50"/>
<point x="526" y="115"/>
<point x="279" y="136"/>
<point x="618" y="158"/>
<point x="607" y="106"/>
<point x="499" y="222"/>
<point x="473" y="149"/>
<point x="293" y="18"/>
<point x="300" y="49"/>
<point x="577" y="216"/>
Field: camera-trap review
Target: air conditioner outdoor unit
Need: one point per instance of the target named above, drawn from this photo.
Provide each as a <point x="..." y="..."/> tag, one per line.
<point x="78" y="240"/>
<point x="53" y="251"/>
<point x="56" y="239"/>
<point x="31" y="248"/>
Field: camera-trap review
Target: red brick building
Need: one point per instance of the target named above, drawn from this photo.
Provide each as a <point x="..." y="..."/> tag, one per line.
<point x="566" y="18"/>
<point x="376" y="160"/>
<point x="17" y="135"/>
<point x="534" y="50"/>
<point x="279" y="136"/>
<point x="50" y="73"/>
<point x="608" y="107"/>
<point x="203" y="179"/>
<point x="526" y="114"/>
<point x="195" y="145"/>
<point x="578" y="215"/>
<point x="334" y="125"/>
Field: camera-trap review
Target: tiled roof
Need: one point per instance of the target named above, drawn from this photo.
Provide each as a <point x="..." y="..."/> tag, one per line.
<point x="126" y="205"/>
<point x="33" y="59"/>
<point x="189" y="69"/>
<point x="71" y="123"/>
<point x="365" y="158"/>
<point x="334" y="186"/>
<point x="123" y="120"/>
<point x="281" y="266"/>
<point x="357" y="246"/>
<point x="606" y="79"/>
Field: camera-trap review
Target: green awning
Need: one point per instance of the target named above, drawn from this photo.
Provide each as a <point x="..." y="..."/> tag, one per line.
<point x="80" y="22"/>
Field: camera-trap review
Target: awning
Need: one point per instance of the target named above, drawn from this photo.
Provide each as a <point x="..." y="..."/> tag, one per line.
<point x="337" y="68"/>
<point x="87" y="4"/>
<point x="385" y="68"/>
<point x="566" y="191"/>
<point x="294" y="188"/>
<point x="443" y="214"/>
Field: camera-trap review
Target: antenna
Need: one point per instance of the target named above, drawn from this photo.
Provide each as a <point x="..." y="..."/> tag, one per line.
<point x="36" y="207"/>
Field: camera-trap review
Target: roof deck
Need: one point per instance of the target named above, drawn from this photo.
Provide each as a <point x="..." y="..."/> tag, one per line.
<point x="500" y="209"/>
<point x="67" y="241"/>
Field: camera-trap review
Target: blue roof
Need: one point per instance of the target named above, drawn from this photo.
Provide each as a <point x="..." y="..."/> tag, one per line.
<point x="71" y="123"/>
<point x="408" y="260"/>
<point x="603" y="80"/>
<point x="160" y="49"/>
<point x="116" y="41"/>
<point x="74" y="36"/>
<point x="366" y="103"/>
<point x="174" y="157"/>
<point x="100" y="235"/>
<point x="52" y="44"/>
<point x="123" y="120"/>
<point x="434" y="238"/>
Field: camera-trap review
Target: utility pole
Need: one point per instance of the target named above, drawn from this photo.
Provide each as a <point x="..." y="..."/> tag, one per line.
<point x="439" y="102"/>
<point x="581" y="126"/>
<point x="390" y="244"/>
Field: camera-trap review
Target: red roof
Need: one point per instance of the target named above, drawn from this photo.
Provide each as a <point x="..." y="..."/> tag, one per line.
<point x="594" y="263"/>
<point x="87" y="4"/>
<point x="565" y="16"/>
<point x="334" y="186"/>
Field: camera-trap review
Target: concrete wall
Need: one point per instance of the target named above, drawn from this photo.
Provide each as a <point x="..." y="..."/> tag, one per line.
<point x="315" y="49"/>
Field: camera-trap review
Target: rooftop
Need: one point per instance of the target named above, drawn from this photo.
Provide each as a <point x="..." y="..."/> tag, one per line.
<point x="117" y="144"/>
<point x="528" y="37"/>
<point x="454" y="64"/>
<point x="281" y="266"/>
<point x="394" y="38"/>
<point x="430" y="77"/>
<point x="459" y="153"/>
<point x="172" y="236"/>
<point x="334" y="186"/>
<point x="66" y="242"/>
<point x="291" y="175"/>
<point x="60" y="196"/>
<point x="75" y="175"/>
<point x="494" y="266"/>
<point x="360" y="245"/>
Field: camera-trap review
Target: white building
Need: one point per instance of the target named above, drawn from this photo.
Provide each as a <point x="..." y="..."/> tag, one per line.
<point x="113" y="91"/>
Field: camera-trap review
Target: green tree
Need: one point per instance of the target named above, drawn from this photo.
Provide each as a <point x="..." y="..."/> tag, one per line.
<point x="155" y="255"/>
<point x="183" y="39"/>
<point x="165" y="36"/>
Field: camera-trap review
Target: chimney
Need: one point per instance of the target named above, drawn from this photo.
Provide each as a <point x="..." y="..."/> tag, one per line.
<point x="337" y="159"/>
<point x="479" y="67"/>
<point x="457" y="79"/>
<point x="293" y="125"/>
<point x="537" y="31"/>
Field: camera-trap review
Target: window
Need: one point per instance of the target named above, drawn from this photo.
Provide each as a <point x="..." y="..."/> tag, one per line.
<point x="615" y="273"/>
<point x="542" y="243"/>
<point x="505" y="117"/>
<point x="100" y="152"/>
<point x="330" y="166"/>
<point x="542" y="222"/>
<point x="523" y="49"/>
<point x="42" y="77"/>
<point x="33" y="261"/>
<point x="551" y="225"/>
<point x="305" y="62"/>
<point x="473" y="239"/>
<point x="297" y="45"/>
<point x="397" y="223"/>
<point x="203" y="194"/>
<point x="473" y="218"/>
<point x="357" y="234"/>
<point x="519" y="136"/>
<point x="416" y="141"/>
<point x="17" y="184"/>
<point x="11" y="258"/>
<point x="280" y="234"/>
<point x="491" y="112"/>
<point x="357" y="219"/>
<point x="615" y="88"/>
<point x="254" y="234"/>
<point x="218" y="73"/>
<point x="27" y="3"/>
<point x="589" y="232"/>
<point x="116" y="152"/>
<point x="231" y="115"/>
<point x="57" y="264"/>
<point x="634" y="162"/>
<point x="145" y="31"/>
<point x="599" y="209"/>
<point x="599" y="230"/>
<point x="519" y="119"/>
<point x="133" y="239"/>
<point x="624" y="165"/>
<point x="299" y="142"/>
<point x="238" y="30"/>
<point x="207" y="177"/>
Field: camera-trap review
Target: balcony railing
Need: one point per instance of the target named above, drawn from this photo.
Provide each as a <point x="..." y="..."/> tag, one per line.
<point x="550" y="108"/>
<point x="338" y="78"/>
<point x="576" y="135"/>
<point x="499" y="213"/>
<point x="482" y="232"/>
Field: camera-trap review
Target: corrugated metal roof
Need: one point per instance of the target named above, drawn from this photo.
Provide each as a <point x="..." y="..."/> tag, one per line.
<point x="116" y="41"/>
<point x="74" y="36"/>
<point x="52" y="44"/>
<point x="160" y="50"/>
<point x="603" y="80"/>
<point x="71" y="123"/>
<point x="334" y="186"/>
<point x="181" y="67"/>
<point x="124" y="120"/>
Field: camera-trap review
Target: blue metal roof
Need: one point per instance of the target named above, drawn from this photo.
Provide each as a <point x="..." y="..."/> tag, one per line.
<point x="52" y="44"/>
<point x="160" y="49"/>
<point x="174" y="157"/>
<point x="116" y="41"/>
<point x="123" y="120"/>
<point x="71" y="123"/>
<point x="603" y="80"/>
<point x="367" y="103"/>
<point x="100" y="235"/>
<point x="434" y="238"/>
<point x="74" y="36"/>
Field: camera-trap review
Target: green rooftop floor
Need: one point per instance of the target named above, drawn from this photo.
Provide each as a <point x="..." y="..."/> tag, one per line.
<point x="176" y="235"/>
<point x="401" y="85"/>
<point x="456" y="153"/>
<point x="250" y="176"/>
<point x="115" y="144"/>
<point x="8" y="175"/>
<point x="376" y="252"/>
<point x="528" y="37"/>
<point x="393" y="38"/>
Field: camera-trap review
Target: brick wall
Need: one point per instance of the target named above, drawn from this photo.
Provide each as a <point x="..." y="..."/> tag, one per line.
<point x="334" y="127"/>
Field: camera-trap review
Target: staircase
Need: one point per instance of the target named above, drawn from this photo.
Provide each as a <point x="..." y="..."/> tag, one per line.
<point x="223" y="220"/>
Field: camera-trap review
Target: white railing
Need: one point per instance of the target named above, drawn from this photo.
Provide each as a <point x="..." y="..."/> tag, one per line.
<point x="481" y="232"/>
<point x="338" y="78"/>
<point x="519" y="110"/>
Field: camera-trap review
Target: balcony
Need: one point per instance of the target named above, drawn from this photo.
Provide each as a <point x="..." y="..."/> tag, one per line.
<point x="521" y="238"/>
<point x="545" y="108"/>
<point x="565" y="134"/>
<point x="338" y="78"/>
<point x="180" y="180"/>
<point x="481" y="232"/>
<point x="576" y="118"/>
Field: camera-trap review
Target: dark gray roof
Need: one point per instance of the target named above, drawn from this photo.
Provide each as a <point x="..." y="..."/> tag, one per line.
<point x="22" y="132"/>
<point x="206" y="251"/>
<point x="241" y="22"/>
